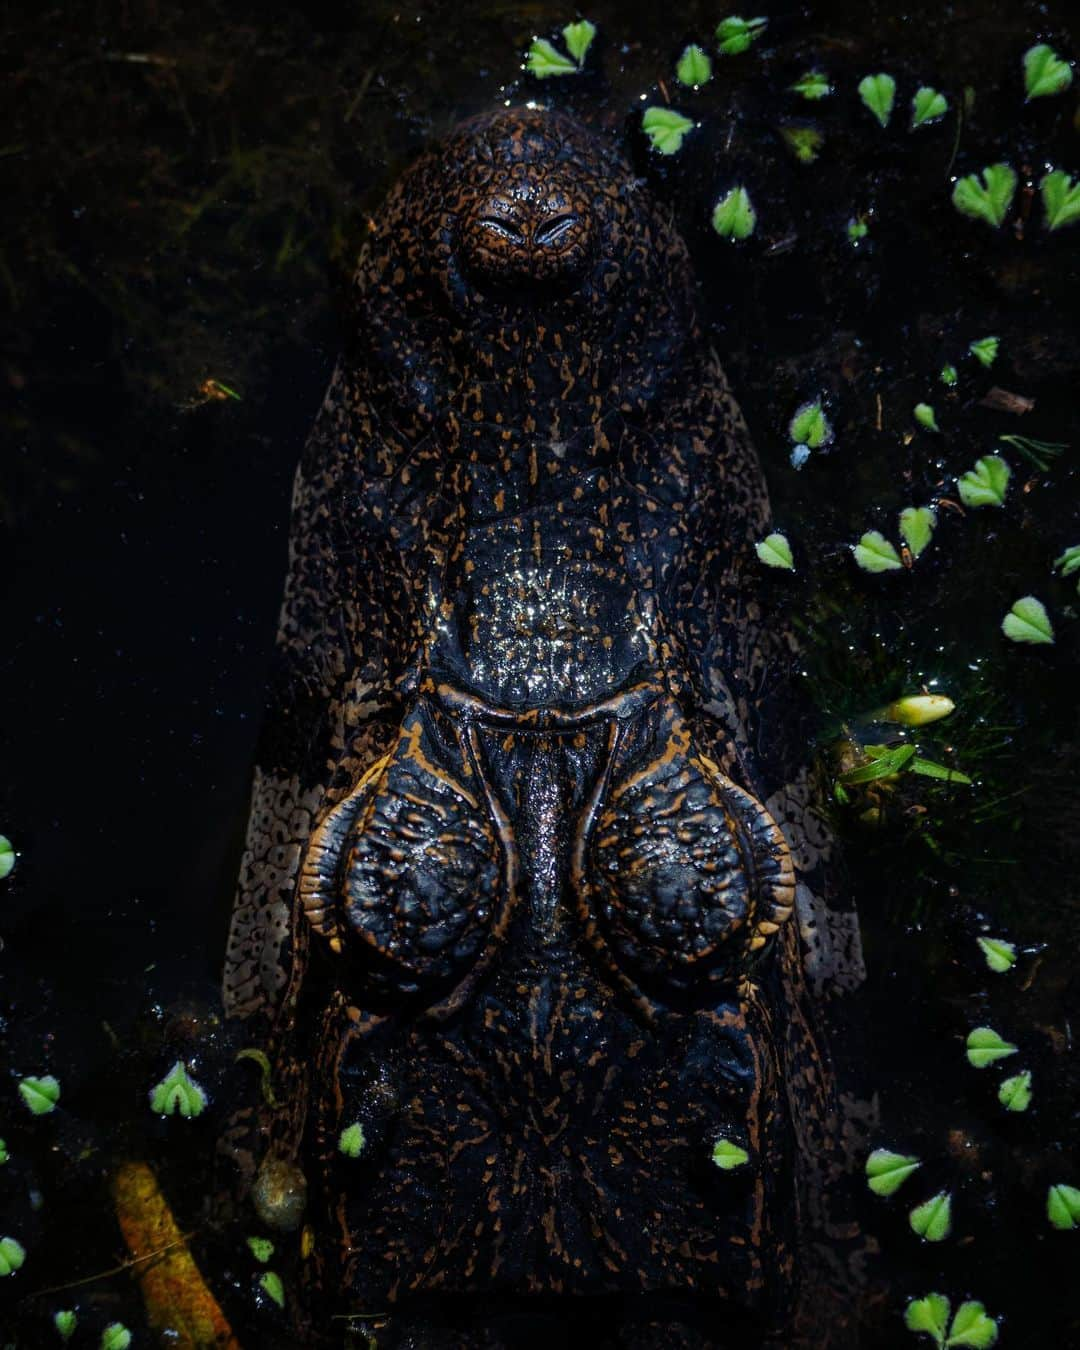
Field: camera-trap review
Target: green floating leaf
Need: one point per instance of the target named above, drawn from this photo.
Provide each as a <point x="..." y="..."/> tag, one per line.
<point x="177" y="1093"/>
<point x="1045" y="73"/>
<point x="7" y="856"/>
<point x="579" y="38"/>
<point x="727" y="1155"/>
<point x="40" y="1094"/>
<point x="1069" y="562"/>
<point x="813" y="86"/>
<point x="916" y="526"/>
<point x="262" y="1249"/>
<point x="810" y="426"/>
<point x="775" y="551"/>
<point x="665" y="128"/>
<point x="65" y="1323"/>
<point x="886" y="1171"/>
<point x="929" y="1314"/>
<point x="857" y="228"/>
<point x="948" y="375"/>
<point x="4" y="1155"/>
<point x="878" y="92"/>
<point x="804" y="142"/>
<point x="925" y="417"/>
<point x="115" y="1337"/>
<point x="932" y="1219"/>
<point x="543" y="60"/>
<point x="916" y="710"/>
<point x="694" y="67"/>
<point x="989" y="199"/>
<point x="1061" y="199"/>
<point x="351" y="1140"/>
<point x="734" y="35"/>
<point x="985" y="1046"/>
<point x="884" y="763"/>
<point x="1063" y="1207"/>
<point x="1028" y="621"/>
<point x="1015" y="1093"/>
<point x="271" y="1284"/>
<point x="927" y="106"/>
<point x="874" y="553"/>
<point x="985" y="350"/>
<point x="1000" y="955"/>
<point x="972" y="1327"/>
<point x="927" y="768"/>
<point x="985" y="484"/>
<point x="734" y="216"/>
<point x="12" y="1255"/>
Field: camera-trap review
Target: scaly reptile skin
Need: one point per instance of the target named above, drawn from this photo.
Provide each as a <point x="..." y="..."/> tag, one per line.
<point x="511" y="901"/>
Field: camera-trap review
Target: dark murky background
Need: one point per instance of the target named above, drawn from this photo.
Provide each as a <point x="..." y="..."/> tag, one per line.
<point x="184" y="190"/>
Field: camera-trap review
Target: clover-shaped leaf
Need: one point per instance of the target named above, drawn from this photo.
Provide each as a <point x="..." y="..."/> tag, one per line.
<point x="878" y="92"/>
<point x="775" y="551"/>
<point x="809" y="426"/>
<point x="948" y="375"/>
<point x="988" y="199"/>
<point x="12" y="1255"/>
<point x="545" y="60"/>
<point x="1061" y="199"/>
<point x="734" y="216"/>
<point x="874" y="553"/>
<point x="735" y="35"/>
<point x="665" y="128"/>
<point x="916" y="526"/>
<point x="271" y="1284"/>
<point x="65" y="1321"/>
<point x="7" y="856"/>
<point x="985" y="1046"/>
<point x="351" y="1140"/>
<point x="115" y="1337"/>
<point x="694" y="66"/>
<point x="1045" y="72"/>
<point x="177" y="1094"/>
<point x="1028" y="621"/>
<point x="985" y="350"/>
<point x="40" y="1094"/>
<point x="4" y="1155"/>
<point x="727" y="1155"/>
<point x="886" y="1171"/>
<point x="1000" y="955"/>
<point x="857" y="229"/>
<point x="927" y="106"/>
<point x="813" y="86"/>
<point x="925" y="416"/>
<point x="932" y="1219"/>
<point x="970" y="1327"/>
<point x="985" y="484"/>
<point x="929" y="1314"/>
<point x="1063" y="1207"/>
<point x="1015" y="1093"/>
<point x="579" y="38"/>
<point x="262" y="1249"/>
<point x="804" y="142"/>
<point x="1069" y="562"/>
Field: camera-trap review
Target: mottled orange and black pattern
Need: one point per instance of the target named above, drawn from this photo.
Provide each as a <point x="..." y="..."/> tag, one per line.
<point x="511" y="900"/>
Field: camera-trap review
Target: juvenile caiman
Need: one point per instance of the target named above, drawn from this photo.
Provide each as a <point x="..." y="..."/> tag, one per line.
<point x="511" y="901"/>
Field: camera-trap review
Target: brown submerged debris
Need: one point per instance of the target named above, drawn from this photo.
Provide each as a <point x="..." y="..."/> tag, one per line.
<point x="1004" y="400"/>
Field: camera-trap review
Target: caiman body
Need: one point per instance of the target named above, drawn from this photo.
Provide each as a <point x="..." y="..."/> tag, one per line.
<point x="511" y="902"/>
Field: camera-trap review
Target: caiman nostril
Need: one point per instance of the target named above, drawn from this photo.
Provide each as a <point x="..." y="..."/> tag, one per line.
<point x="554" y="231"/>
<point x="503" y="228"/>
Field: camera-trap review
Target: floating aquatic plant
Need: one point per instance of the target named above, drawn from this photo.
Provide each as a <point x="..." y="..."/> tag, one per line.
<point x="985" y="350"/>
<point x="775" y="551"/>
<point x="1061" y="199"/>
<point x="1045" y="73"/>
<point x="925" y="416"/>
<point x="177" y="1094"/>
<point x="12" y="1255"/>
<point x="544" y="60"/>
<point x="886" y="1171"/>
<point x="262" y="1249"/>
<point x="734" y="216"/>
<point x="928" y="105"/>
<point x="271" y="1285"/>
<point x="65" y="1321"/>
<point x="1069" y="562"/>
<point x="878" y="92"/>
<point x="1063" y="1207"/>
<point x="1028" y="621"/>
<point x="932" y="1219"/>
<point x="804" y="142"/>
<point x="694" y="66"/>
<point x="40" y="1094"/>
<point x="809" y="426"/>
<point x="1000" y="955"/>
<point x="857" y="228"/>
<point x="665" y="128"/>
<point x="971" y="1327"/>
<point x="578" y="37"/>
<point x="874" y="553"/>
<point x="948" y="374"/>
<point x="1040" y="453"/>
<point x="735" y="35"/>
<point x="351" y="1140"/>
<point x="988" y="198"/>
<point x="916" y="528"/>
<point x="115" y="1337"/>
<point x="7" y="856"/>
<point x="985" y="1046"/>
<point x="986" y="484"/>
<point x="4" y="1155"/>
<point x="727" y="1155"/>
<point x="1015" y="1093"/>
<point x="814" y="85"/>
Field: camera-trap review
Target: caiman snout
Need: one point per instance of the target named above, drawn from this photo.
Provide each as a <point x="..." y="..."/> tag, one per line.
<point x="526" y="233"/>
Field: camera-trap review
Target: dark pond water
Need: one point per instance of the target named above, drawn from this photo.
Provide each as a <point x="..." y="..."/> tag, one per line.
<point x="184" y="191"/>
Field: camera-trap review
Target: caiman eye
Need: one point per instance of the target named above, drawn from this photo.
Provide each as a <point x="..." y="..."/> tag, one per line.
<point x="555" y="230"/>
